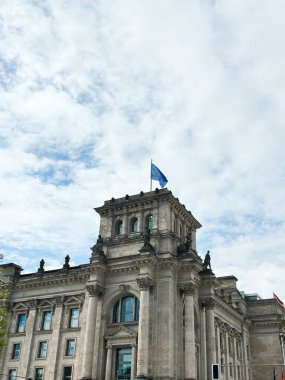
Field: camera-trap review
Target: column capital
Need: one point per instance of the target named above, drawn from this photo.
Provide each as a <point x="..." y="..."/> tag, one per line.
<point x="189" y="289"/>
<point x="95" y="290"/>
<point x="210" y="303"/>
<point x="145" y="283"/>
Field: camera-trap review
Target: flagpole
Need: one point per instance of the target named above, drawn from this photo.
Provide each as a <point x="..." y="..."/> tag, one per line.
<point x="150" y="175"/>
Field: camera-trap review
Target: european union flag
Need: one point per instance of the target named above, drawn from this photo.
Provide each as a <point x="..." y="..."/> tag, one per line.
<point x="157" y="175"/>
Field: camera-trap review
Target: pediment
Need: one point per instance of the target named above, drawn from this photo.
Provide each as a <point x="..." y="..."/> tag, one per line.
<point x="45" y="303"/>
<point x="121" y="332"/>
<point x="20" y="306"/>
<point x="73" y="300"/>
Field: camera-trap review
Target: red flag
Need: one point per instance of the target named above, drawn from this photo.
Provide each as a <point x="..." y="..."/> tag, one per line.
<point x="282" y="376"/>
<point x="280" y="303"/>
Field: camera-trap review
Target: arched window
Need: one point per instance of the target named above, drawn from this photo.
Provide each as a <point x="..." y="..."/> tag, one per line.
<point x="175" y="226"/>
<point x="126" y="310"/>
<point x="148" y="221"/>
<point x="134" y="225"/>
<point x="119" y="227"/>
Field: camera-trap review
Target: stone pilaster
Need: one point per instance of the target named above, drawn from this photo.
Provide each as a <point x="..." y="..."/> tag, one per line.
<point x="145" y="284"/>
<point x="29" y="328"/>
<point x="189" y="354"/>
<point x="54" y="341"/>
<point x="134" y="361"/>
<point x="95" y="291"/>
<point x="203" y="343"/>
<point x="108" y="374"/>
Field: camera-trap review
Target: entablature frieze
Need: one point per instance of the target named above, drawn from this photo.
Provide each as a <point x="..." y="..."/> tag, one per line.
<point x="45" y="280"/>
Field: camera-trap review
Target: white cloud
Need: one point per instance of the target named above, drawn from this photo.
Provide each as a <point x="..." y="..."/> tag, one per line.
<point x="93" y="90"/>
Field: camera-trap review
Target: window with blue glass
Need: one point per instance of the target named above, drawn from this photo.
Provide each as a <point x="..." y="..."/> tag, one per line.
<point x="16" y="351"/>
<point x="126" y="310"/>
<point x="39" y="374"/>
<point x="46" y="322"/>
<point x="67" y="373"/>
<point x="70" y="347"/>
<point x="73" y="317"/>
<point x="42" y="349"/>
<point x="149" y="221"/>
<point x="21" y="322"/>
<point x="12" y="374"/>
<point x="119" y="227"/>
<point x="134" y="225"/>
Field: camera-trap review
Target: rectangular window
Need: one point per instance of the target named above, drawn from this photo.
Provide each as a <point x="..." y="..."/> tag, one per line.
<point x="230" y="345"/>
<point x="73" y="318"/>
<point x="67" y="373"/>
<point x="12" y="374"/>
<point x="39" y="374"/>
<point x="221" y="341"/>
<point x="21" y="322"/>
<point x="46" y="322"/>
<point x="231" y="369"/>
<point x="70" y="347"/>
<point x="222" y="366"/>
<point x="16" y="351"/>
<point x="42" y="350"/>
<point x="247" y="351"/>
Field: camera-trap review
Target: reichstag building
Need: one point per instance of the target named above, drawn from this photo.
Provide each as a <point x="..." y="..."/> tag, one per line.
<point x="146" y="306"/>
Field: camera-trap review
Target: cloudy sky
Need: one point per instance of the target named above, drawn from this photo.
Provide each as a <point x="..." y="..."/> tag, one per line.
<point x="90" y="91"/>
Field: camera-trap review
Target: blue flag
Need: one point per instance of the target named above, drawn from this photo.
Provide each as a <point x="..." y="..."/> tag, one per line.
<point x="157" y="175"/>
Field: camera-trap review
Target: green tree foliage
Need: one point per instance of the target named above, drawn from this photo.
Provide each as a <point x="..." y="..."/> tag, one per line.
<point x="4" y="294"/>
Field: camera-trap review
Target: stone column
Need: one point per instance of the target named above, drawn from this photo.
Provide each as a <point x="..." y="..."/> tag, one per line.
<point x="203" y="343"/>
<point x="108" y="374"/>
<point x="210" y="335"/>
<point x="140" y="222"/>
<point x="94" y="291"/>
<point x="125" y="223"/>
<point x="143" y="331"/>
<point x="134" y="361"/>
<point x="189" y="355"/>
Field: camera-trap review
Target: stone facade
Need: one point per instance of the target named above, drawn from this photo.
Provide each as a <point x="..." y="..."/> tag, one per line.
<point x="144" y="307"/>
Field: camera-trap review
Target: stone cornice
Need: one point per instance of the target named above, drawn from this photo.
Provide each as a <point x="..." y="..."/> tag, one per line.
<point x="57" y="277"/>
<point x="147" y="200"/>
<point x="230" y="309"/>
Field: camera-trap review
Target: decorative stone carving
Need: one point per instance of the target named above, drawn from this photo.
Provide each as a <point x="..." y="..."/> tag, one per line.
<point x="147" y="247"/>
<point x="188" y="289"/>
<point x="66" y="262"/>
<point x="41" y="268"/>
<point x="32" y="304"/>
<point x="58" y="301"/>
<point x="95" y="290"/>
<point x="185" y="246"/>
<point x="124" y="288"/>
<point x="145" y="283"/>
